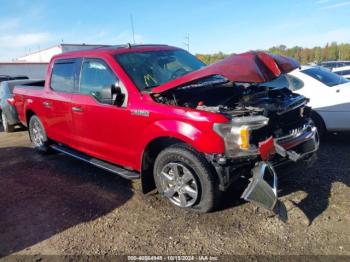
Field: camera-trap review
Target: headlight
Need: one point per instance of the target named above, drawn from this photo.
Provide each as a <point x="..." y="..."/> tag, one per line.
<point x="236" y="134"/>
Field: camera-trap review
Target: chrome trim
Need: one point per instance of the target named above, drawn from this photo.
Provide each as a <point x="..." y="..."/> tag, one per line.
<point x="296" y="134"/>
<point x="77" y="109"/>
<point x="312" y="134"/>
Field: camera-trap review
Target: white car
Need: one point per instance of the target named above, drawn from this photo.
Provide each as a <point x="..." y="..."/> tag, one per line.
<point x="343" y="71"/>
<point x="329" y="95"/>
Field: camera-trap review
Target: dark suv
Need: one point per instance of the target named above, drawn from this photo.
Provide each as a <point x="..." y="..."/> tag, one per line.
<point x="8" y="112"/>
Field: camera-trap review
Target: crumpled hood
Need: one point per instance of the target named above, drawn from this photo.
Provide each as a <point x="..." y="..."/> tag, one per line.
<point x="249" y="67"/>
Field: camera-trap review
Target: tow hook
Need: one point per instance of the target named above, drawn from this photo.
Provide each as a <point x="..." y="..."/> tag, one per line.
<point x="262" y="190"/>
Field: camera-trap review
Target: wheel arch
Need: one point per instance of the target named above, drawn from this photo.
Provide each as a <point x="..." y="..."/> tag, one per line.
<point x="29" y="114"/>
<point x="149" y="156"/>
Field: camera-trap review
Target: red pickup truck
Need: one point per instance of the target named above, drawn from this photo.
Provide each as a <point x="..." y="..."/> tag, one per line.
<point x="157" y="113"/>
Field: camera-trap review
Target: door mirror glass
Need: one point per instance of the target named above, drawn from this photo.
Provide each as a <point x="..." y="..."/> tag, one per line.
<point x="112" y="95"/>
<point x="118" y="96"/>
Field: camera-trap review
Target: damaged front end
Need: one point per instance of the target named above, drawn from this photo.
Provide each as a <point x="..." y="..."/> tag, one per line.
<point x="267" y="127"/>
<point x="255" y="153"/>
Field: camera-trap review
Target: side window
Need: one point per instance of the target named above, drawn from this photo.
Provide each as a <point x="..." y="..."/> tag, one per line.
<point x="295" y="83"/>
<point x="96" y="79"/>
<point x="63" y="75"/>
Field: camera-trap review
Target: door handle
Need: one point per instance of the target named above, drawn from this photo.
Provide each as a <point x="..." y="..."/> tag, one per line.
<point x="338" y="90"/>
<point x="77" y="109"/>
<point x="46" y="104"/>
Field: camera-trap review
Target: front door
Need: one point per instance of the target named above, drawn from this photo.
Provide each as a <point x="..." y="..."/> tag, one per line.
<point x="101" y="128"/>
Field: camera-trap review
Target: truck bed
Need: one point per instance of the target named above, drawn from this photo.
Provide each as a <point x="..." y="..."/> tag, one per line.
<point x="35" y="84"/>
<point x="31" y="92"/>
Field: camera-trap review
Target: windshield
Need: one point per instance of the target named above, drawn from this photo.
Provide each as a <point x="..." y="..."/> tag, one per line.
<point x="325" y="76"/>
<point x="153" y="68"/>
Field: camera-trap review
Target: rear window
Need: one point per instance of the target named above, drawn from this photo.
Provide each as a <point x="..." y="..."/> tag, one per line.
<point x="326" y="77"/>
<point x="286" y="81"/>
<point x="63" y="75"/>
<point x="279" y="82"/>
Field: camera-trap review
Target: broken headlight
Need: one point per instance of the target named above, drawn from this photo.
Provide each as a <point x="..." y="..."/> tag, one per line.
<point x="236" y="134"/>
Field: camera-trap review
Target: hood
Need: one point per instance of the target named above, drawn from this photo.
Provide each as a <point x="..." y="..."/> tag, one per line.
<point x="249" y="67"/>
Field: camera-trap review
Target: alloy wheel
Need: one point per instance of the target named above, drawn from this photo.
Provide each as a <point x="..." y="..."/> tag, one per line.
<point x="179" y="184"/>
<point x="37" y="134"/>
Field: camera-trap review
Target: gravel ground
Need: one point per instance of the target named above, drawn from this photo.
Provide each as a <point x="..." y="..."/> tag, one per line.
<point x="57" y="205"/>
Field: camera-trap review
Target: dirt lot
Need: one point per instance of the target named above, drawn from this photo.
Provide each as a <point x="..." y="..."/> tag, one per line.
<point x="57" y="205"/>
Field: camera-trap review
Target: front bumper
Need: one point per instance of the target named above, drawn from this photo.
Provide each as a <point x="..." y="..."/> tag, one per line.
<point x="262" y="189"/>
<point x="296" y="151"/>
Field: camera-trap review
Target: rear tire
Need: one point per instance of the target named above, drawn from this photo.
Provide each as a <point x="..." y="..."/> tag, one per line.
<point x="38" y="135"/>
<point x="186" y="178"/>
<point x="7" y="127"/>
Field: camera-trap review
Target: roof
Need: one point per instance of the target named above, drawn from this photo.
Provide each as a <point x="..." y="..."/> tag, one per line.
<point x="112" y="50"/>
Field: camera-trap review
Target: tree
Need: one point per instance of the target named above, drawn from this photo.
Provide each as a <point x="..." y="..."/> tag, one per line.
<point x="333" y="51"/>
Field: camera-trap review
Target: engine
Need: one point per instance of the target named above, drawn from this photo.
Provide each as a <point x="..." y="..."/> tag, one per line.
<point x="286" y="110"/>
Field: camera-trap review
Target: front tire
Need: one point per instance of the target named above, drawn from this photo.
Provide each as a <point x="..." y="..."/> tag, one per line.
<point x="7" y="127"/>
<point x="186" y="179"/>
<point x="38" y="135"/>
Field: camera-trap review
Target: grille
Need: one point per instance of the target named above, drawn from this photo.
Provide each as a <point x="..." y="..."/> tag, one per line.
<point x="282" y="125"/>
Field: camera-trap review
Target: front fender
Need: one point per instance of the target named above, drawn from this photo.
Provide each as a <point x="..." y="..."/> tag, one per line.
<point x="203" y="139"/>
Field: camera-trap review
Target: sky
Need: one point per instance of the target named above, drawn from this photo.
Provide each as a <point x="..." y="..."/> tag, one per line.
<point x="230" y="26"/>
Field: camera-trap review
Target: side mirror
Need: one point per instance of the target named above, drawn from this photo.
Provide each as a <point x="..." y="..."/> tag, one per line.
<point x="118" y="96"/>
<point x="111" y="95"/>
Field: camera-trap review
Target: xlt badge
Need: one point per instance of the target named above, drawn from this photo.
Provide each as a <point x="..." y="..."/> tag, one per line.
<point x="140" y="113"/>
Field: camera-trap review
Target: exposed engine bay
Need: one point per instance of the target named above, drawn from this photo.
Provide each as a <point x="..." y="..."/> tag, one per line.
<point x="286" y="110"/>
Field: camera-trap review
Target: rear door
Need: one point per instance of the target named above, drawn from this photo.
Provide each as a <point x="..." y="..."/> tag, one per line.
<point x="57" y="101"/>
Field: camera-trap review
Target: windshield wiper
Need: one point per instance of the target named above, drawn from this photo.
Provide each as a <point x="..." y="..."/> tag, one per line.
<point x="150" y="87"/>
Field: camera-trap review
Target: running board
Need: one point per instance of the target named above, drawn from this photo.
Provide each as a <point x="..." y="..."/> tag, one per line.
<point x="96" y="162"/>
